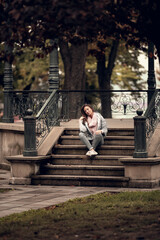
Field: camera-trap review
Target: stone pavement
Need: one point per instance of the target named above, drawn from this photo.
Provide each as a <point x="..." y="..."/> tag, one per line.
<point x="23" y="198"/>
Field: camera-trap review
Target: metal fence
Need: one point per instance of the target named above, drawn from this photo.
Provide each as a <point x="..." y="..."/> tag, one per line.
<point x="61" y="105"/>
<point x="120" y="103"/>
<point x="47" y="118"/>
<point x="24" y="100"/>
<point x="152" y="115"/>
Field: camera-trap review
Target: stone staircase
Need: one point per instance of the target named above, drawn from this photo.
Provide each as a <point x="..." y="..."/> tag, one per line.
<point x="70" y="166"/>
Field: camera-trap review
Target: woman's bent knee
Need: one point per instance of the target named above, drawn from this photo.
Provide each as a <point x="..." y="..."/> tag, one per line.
<point x="81" y="134"/>
<point x="98" y="136"/>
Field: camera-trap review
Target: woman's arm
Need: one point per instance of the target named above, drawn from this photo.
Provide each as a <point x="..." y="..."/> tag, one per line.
<point x="82" y="126"/>
<point x="103" y="126"/>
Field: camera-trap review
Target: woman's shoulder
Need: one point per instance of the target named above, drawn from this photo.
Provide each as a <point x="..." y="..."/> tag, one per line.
<point x="98" y="114"/>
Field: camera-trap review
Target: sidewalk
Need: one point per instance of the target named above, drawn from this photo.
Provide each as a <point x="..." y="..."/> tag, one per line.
<point x="23" y="198"/>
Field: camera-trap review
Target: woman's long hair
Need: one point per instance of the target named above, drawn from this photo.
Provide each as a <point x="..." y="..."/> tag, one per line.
<point x="83" y="112"/>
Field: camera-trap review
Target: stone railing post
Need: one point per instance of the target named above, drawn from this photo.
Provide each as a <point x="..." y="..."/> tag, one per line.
<point x="29" y="134"/>
<point x="140" y="136"/>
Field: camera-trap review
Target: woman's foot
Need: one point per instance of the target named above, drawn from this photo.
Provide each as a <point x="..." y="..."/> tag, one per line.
<point x="91" y="152"/>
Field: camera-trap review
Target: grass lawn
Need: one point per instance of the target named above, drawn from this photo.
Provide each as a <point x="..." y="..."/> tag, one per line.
<point x="127" y="215"/>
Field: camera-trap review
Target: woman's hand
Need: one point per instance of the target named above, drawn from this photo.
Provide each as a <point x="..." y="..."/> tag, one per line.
<point x="81" y="118"/>
<point x="98" y="132"/>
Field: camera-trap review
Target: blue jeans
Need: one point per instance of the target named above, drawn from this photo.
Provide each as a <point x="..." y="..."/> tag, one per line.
<point x="97" y="140"/>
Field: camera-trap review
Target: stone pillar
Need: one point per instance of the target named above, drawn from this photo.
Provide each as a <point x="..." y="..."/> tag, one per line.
<point x="8" y="88"/>
<point x="140" y="136"/>
<point x="54" y="67"/>
<point x="29" y="135"/>
<point x="151" y="74"/>
<point x="142" y="172"/>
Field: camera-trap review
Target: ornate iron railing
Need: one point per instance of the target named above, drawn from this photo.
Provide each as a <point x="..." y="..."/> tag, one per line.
<point x="57" y="107"/>
<point x="50" y="115"/>
<point x="24" y="100"/>
<point x="46" y="118"/>
<point x="123" y="102"/>
<point x="152" y="115"/>
<point x="50" y="108"/>
<point x="35" y="100"/>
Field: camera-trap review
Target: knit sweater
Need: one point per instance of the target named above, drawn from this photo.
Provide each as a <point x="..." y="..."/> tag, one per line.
<point x="101" y="125"/>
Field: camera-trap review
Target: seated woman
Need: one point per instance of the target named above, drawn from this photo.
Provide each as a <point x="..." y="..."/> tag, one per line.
<point x="93" y="129"/>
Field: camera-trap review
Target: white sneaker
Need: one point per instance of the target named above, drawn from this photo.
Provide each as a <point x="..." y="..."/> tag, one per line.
<point x="88" y="153"/>
<point x="91" y="153"/>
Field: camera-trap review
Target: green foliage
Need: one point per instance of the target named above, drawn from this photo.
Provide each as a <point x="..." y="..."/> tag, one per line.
<point x="28" y="69"/>
<point x="127" y="73"/>
<point x="136" y="22"/>
<point x="31" y="72"/>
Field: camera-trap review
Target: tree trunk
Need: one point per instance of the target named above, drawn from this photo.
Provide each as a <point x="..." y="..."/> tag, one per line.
<point x="74" y="57"/>
<point x="104" y="79"/>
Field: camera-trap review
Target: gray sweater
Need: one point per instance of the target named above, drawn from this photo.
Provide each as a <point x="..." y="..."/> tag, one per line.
<point x="101" y="125"/>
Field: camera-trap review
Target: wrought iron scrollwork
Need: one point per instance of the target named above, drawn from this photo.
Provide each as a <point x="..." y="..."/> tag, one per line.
<point x="47" y="118"/>
<point x="128" y="103"/>
<point x="23" y="100"/>
<point x="50" y="108"/>
<point x="122" y="102"/>
<point x="152" y="115"/>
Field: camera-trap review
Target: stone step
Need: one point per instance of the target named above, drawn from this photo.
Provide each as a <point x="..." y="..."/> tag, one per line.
<point x="103" y="150"/>
<point x="73" y="180"/>
<point x="111" y="132"/>
<point x="109" y="140"/>
<point x="83" y="170"/>
<point x="104" y="160"/>
<point x="69" y="165"/>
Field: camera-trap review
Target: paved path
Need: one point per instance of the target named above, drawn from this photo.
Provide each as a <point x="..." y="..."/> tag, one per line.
<point x="23" y="198"/>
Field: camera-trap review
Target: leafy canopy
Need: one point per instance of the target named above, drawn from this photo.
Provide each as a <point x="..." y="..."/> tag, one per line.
<point x="31" y="24"/>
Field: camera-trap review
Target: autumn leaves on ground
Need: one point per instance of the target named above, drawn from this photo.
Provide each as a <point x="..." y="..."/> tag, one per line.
<point x="128" y="215"/>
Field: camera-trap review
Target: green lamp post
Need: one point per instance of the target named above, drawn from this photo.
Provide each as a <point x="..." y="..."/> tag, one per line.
<point x="151" y="74"/>
<point x="8" y="88"/>
<point x="54" y="67"/>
